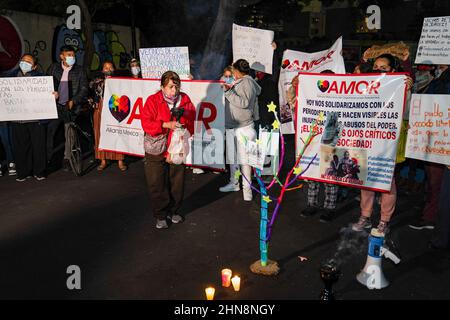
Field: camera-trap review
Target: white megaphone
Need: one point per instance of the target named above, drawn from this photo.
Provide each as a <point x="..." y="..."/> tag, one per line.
<point x="372" y="275"/>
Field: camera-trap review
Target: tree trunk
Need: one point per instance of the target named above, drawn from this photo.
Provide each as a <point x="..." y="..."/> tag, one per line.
<point x="217" y="53"/>
<point x="88" y="34"/>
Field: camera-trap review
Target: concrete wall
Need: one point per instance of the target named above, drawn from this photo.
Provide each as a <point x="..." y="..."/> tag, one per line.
<point x="43" y="36"/>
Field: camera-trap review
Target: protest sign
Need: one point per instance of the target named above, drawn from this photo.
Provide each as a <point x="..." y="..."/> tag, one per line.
<point x="121" y="129"/>
<point x="295" y="62"/>
<point x="156" y="61"/>
<point x="357" y="144"/>
<point x="27" y="98"/>
<point x="434" y="42"/>
<point x="255" y="46"/>
<point x="429" y="122"/>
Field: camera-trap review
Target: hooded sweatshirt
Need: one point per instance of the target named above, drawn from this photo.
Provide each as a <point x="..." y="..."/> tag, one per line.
<point x="241" y="103"/>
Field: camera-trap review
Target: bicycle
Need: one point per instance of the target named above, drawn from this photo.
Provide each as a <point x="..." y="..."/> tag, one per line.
<point x="76" y="155"/>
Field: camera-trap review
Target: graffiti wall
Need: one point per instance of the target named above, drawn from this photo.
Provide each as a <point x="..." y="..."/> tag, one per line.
<point x="43" y="36"/>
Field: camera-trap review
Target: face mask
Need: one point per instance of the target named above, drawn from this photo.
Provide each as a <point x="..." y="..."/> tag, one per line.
<point x="229" y="80"/>
<point x="70" y="61"/>
<point x="25" y="67"/>
<point x="380" y="71"/>
<point x="171" y="100"/>
<point x="135" y="71"/>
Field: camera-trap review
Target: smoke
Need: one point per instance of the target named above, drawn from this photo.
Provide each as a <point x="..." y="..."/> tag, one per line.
<point x="350" y="244"/>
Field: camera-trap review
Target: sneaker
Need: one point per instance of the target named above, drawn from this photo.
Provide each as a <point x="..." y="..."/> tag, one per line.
<point x="230" y="187"/>
<point x="176" y="218"/>
<point x="309" y="211"/>
<point x="12" y="169"/>
<point x="327" y="215"/>
<point x="248" y="195"/>
<point x="197" y="171"/>
<point x="161" y="224"/>
<point x="382" y="227"/>
<point x="422" y="224"/>
<point x="363" y="223"/>
<point x="40" y="178"/>
<point x="18" y="179"/>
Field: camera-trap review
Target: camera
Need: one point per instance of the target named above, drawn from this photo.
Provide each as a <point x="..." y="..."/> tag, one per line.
<point x="177" y="113"/>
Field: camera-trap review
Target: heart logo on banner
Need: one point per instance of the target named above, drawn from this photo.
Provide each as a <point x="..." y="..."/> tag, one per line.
<point x="323" y="85"/>
<point x="119" y="107"/>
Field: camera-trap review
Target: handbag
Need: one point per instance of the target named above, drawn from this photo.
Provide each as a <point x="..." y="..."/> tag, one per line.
<point x="155" y="146"/>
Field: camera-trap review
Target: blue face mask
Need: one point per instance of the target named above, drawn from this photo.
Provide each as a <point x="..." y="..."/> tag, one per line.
<point x="25" y="67"/>
<point x="70" y="61"/>
<point x="229" y="80"/>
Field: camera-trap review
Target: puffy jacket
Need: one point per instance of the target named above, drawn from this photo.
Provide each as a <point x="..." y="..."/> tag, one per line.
<point x="155" y="111"/>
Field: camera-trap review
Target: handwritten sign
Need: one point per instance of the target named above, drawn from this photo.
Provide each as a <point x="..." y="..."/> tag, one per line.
<point x="434" y="43"/>
<point x="429" y="121"/>
<point x="255" y="46"/>
<point x="27" y="98"/>
<point x="156" y="61"/>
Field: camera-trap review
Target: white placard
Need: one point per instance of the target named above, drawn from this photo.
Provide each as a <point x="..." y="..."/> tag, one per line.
<point x="255" y="46"/>
<point x="295" y="62"/>
<point x="434" y="42"/>
<point x="429" y="128"/>
<point x="358" y="146"/>
<point x="27" y="98"/>
<point x="156" y="61"/>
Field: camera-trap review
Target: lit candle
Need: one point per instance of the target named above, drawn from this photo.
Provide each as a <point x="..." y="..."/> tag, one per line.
<point x="236" y="283"/>
<point x="210" y="293"/>
<point x="226" y="277"/>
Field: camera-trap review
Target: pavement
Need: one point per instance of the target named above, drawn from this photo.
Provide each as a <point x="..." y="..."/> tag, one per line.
<point x="102" y="222"/>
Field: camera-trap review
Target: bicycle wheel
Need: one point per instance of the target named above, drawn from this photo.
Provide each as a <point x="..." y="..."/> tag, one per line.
<point x="76" y="161"/>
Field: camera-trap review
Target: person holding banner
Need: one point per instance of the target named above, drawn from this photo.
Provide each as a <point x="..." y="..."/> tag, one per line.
<point x="241" y="110"/>
<point x="382" y="64"/>
<point x="159" y="115"/>
<point x="97" y="87"/>
<point x="434" y="171"/>
<point x="28" y="137"/>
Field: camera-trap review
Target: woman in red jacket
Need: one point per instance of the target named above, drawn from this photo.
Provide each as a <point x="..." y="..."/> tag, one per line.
<point x="166" y="180"/>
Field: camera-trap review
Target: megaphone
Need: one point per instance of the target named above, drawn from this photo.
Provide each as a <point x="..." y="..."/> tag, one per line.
<point x="372" y="275"/>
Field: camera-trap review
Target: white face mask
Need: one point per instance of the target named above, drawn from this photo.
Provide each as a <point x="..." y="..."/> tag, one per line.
<point x="25" y="67"/>
<point x="135" y="71"/>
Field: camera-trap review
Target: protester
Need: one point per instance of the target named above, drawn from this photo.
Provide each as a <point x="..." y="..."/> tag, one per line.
<point x="328" y="212"/>
<point x="71" y="83"/>
<point x="135" y="68"/>
<point x="165" y="180"/>
<point x="383" y="63"/>
<point x="97" y="87"/>
<point x="434" y="171"/>
<point x="241" y="110"/>
<point x="28" y="137"/>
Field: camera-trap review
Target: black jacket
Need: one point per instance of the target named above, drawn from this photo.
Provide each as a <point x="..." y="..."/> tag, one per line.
<point x="78" y="84"/>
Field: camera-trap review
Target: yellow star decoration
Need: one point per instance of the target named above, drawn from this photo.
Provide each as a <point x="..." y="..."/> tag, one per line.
<point x="258" y="141"/>
<point x="321" y="116"/>
<point x="276" y="125"/>
<point x="272" y="107"/>
<point x="297" y="170"/>
<point x="237" y="174"/>
<point x="267" y="199"/>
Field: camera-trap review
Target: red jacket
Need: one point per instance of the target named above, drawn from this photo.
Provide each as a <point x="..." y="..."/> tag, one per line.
<point x="155" y="111"/>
